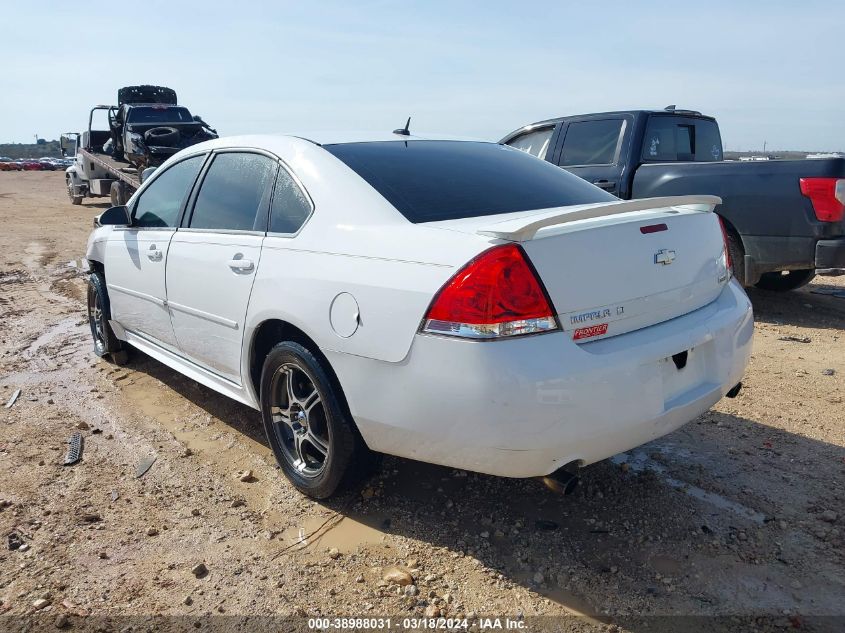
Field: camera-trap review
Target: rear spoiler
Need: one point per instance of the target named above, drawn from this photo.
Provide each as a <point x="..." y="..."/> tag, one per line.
<point x="525" y="228"/>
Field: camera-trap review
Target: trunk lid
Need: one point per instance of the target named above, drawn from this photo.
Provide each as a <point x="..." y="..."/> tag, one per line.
<point x="617" y="267"/>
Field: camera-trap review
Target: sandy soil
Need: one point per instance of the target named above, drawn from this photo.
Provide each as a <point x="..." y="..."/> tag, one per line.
<point x="739" y="514"/>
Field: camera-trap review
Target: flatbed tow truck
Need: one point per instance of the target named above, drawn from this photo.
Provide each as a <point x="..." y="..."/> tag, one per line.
<point x="144" y="129"/>
<point x="95" y="173"/>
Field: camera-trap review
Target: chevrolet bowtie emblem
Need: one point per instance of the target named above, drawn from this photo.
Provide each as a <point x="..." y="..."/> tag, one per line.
<point x="664" y="257"/>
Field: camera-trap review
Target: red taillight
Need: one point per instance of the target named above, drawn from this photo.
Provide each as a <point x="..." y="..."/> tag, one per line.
<point x="827" y="196"/>
<point x="496" y="294"/>
<point x="727" y="244"/>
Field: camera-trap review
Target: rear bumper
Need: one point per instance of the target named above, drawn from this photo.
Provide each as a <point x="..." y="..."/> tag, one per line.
<point x="773" y="254"/>
<point x="528" y="406"/>
<point x="830" y="253"/>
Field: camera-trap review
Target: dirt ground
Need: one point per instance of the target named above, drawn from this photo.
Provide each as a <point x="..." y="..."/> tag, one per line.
<point x="739" y="514"/>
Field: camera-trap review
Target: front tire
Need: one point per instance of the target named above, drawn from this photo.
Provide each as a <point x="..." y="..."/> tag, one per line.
<point x="106" y="344"/>
<point x="307" y="423"/>
<point x="786" y="280"/>
<point x="74" y="199"/>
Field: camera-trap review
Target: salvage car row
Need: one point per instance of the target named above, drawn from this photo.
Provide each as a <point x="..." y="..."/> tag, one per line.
<point x="33" y="164"/>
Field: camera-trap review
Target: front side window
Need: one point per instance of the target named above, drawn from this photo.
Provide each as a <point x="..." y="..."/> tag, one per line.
<point x="233" y="195"/>
<point x="290" y="207"/>
<point x="675" y="138"/>
<point x="535" y="143"/>
<point x="161" y="201"/>
<point x="591" y="142"/>
<point x="428" y="181"/>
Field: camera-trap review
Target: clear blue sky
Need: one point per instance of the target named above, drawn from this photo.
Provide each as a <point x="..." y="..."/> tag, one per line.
<point x="769" y="71"/>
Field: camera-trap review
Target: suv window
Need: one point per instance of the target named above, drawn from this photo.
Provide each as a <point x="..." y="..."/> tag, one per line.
<point x="427" y="181"/>
<point x="290" y="207"/>
<point x="591" y="142"/>
<point x="161" y="201"/>
<point x="234" y="192"/>
<point x="535" y="142"/>
<point x="674" y="138"/>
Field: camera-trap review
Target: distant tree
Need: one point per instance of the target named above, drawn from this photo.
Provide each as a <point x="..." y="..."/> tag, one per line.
<point x="41" y="141"/>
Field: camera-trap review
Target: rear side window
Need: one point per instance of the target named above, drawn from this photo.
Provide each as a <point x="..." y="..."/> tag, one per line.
<point x="161" y="201"/>
<point x="591" y="142"/>
<point x="290" y="207"/>
<point x="674" y="138"/>
<point x="535" y="143"/>
<point x="234" y="193"/>
<point x="429" y="181"/>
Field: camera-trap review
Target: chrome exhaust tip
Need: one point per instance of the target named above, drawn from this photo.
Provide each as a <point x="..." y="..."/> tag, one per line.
<point x="561" y="481"/>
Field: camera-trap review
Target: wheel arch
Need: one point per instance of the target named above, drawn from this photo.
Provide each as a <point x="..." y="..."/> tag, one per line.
<point x="272" y="331"/>
<point x="748" y="267"/>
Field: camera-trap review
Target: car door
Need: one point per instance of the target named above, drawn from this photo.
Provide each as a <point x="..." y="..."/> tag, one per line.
<point x="136" y="255"/>
<point x="214" y="256"/>
<point x="591" y="150"/>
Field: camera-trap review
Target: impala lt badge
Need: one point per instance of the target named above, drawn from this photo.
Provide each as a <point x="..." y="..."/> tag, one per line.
<point x="664" y="257"/>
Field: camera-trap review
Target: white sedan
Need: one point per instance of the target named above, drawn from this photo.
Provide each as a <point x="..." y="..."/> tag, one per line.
<point x="456" y="302"/>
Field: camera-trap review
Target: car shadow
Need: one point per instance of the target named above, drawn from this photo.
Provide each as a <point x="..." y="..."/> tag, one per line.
<point x="715" y="518"/>
<point x="813" y="306"/>
<point x="241" y="418"/>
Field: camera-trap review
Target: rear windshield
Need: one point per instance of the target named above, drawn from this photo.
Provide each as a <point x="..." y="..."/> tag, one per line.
<point x="159" y="114"/>
<point x="672" y="138"/>
<point x="429" y="181"/>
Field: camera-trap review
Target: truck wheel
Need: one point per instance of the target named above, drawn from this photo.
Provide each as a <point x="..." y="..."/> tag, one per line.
<point x="114" y="192"/>
<point x="99" y="313"/>
<point x="786" y="280"/>
<point x="74" y="199"/>
<point x="162" y="136"/>
<point x="119" y="194"/>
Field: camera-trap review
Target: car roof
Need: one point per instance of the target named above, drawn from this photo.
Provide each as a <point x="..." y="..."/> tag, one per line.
<point x="268" y="141"/>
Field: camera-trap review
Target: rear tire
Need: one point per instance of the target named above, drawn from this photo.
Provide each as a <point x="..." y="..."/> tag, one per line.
<point x="786" y="280"/>
<point x="106" y="344"/>
<point x="118" y="194"/>
<point x="308" y="424"/>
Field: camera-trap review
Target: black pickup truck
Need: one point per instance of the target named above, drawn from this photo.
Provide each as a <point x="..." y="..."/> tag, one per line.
<point x="785" y="219"/>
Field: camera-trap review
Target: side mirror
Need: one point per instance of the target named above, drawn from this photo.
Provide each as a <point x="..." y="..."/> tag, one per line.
<point x="67" y="145"/>
<point x="197" y="118"/>
<point x="115" y="216"/>
<point x="146" y="173"/>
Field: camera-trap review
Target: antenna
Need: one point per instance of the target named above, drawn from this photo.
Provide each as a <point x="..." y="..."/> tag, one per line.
<point x="404" y="131"/>
<point x="670" y="108"/>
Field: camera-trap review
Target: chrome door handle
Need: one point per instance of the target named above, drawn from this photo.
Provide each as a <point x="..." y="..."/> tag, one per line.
<point x="241" y="265"/>
<point x="154" y="255"/>
<point x="604" y="184"/>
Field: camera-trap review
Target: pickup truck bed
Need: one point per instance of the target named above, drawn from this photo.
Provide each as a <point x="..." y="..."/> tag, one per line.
<point x="778" y="234"/>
